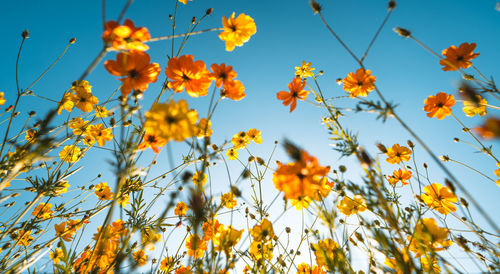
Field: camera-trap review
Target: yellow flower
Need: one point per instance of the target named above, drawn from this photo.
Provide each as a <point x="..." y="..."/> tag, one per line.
<point x="123" y="200"/>
<point x="70" y="154"/>
<point x="254" y="135"/>
<point x="359" y="83"/>
<point x="56" y="255"/>
<point x="439" y="198"/>
<point x="31" y="136"/>
<point x="240" y="140"/>
<point x="237" y="30"/>
<point x="171" y="121"/>
<point x="325" y="252"/>
<point x="103" y="191"/>
<point x="101" y="112"/>
<point x="184" y="1"/>
<point x="2" y="98"/>
<point x="429" y="266"/>
<point x="66" y="103"/>
<point x="232" y="154"/>
<point x="263" y="232"/>
<point x="397" y="153"/>
<point x="304" y="268"/>
<point x="259" y="250"/>
<point x="350" y="206"/>
<point x="301" y="202"/>
<point x="204" y="129"/>
<point x="79" y="126"/>
<point x="183" y="269"/>
<point x="100" y="134"/>
<point x="149" y="238"/>
<point x="195" y="246"/>
<point x="61" y="187"/>
<point x="305" y="70"/>
<point x="42" y="211"/>
<point x="83" y="98"/>
<point x="227" y="200"/>
<point x="472" y="108"/>
<point x="199" y="179"/>
<point x="66" y="230"/>
<point x="180" y="209"/>
<point x="210" y="229"/>
<point x="226" y="238"/>
<point x="428" y="237"/>
<point x="140" y="257"/>
<point x="394" y="264"/>
<point x="167" y="264"/>
<point x="23" y="237"/>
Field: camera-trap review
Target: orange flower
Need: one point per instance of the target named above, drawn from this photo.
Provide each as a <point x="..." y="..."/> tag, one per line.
<point x="180" y="209"/>
<point x="100" y="134"/>
<point x="456" y="58"/>
<point x="195" y="246"/>
<point x="300" y="179"/>
<point x="237" y="30"/>
<point x="188" y="74"/>
<point x="234" y="90"/>
<point x="135" y="68"/>
<point x="360" y="83"/>
<point x="222" y="74"/>
<point x="439" y="106"/>
<point x="297" y="91"/>
<point x="439" y="198"/>
<point x="126" y="36"/>
<point x="397" y="153"/>
<point x="490" y="129"/>
<point x="400" y="175"/>
<point x="153" y="142"/>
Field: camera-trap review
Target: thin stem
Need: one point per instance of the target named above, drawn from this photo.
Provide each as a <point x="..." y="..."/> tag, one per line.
<point x="167" y="37"/>
<point x="376" y="35"/>
<point x="94" y="63"/>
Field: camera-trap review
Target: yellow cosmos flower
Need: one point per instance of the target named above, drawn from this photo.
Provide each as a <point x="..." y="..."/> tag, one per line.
<point x="254" y="135"/>
<point x="263" y="232"/>
<point x="103" y="191"/>
<point x="42" y="211"/>
<point x="101" y="112"/>
<point x="350" y="206"/>
<point x="140" y="257"/>
<point x="23" y="237"/>
<point x="180" y="209"/>
<point x="226" y="238"/>
<point x="304" y="268"/>
<point x="398" y="153"/>
<point x="195" y="246"/>
<point x="472" y="108"/>
<point x="100" y="134"/>
<point x="227" y="200"/>
<point x="56" y="255"/>
<point x="232" y="154"/>
<point x="171" y="121"/>
<point x="2" y="98"/>
<point x="70" y="154"/>
<point x="304" y="70"/>
<point x="439" y="198"/>
<point x="199" y="179"/>
<point x="259" y="250"/>
<point x="83" y="98"/>
<point x="31" y="136"/>
<point x="149" y="237"/>
<point x="66" y="103"/>
<point x="428" y="237"/>
<point x="167" y="264"/>
<point x="204" y="129"/>
<point x="237" y="30"/>
<point x="325" y="251"/>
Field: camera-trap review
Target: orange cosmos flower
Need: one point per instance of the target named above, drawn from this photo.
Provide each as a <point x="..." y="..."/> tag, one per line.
<point x="400" y="175"/>
<point x="100" y="134"/>
<point x="187" y="74"/>
<point x="490" y="129"/>
<point x="234" y="90"/>
<point x="237" y="30"/>
<point x="439" y="106"/>
<point x="359" y="83"/>
<point x="195" y="246"/>
<point x="135" y="68"/>
<point x="126" y="36"/>
<point x="397" y="153"/>
<point x="297" y="91"/>
<point x="302" y="178"/>
<point x="456" y="58"/>
<point x="222" y="74"/>
<point x="153" y="142"/>
<point x="439" y="198"/>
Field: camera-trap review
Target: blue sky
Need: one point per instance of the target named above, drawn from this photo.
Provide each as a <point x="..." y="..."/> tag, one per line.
<point x="287" y="33"/>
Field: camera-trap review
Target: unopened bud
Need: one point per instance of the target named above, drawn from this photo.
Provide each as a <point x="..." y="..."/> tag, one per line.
<point x="402" y="32"/>
<point x="444" y="158"/>
<point x="391" y="5"/>
<point x="450" y="185"/>
<point x="464" y="202"/>
<point x="209" y="11"/>
<point x="25" y="34"/>
<point x="193" y="20"/>
<point x="315" y="6"/>
<point x="382" y="148"/>
<point x="72" y="40"/>
<point x="411" y="144"/>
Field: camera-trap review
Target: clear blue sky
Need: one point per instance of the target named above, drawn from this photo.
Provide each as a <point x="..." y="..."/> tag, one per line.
<point x="287" y="34"/>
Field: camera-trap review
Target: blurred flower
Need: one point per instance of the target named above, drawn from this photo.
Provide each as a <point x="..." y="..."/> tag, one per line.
<point x="149" y="237"/>
<point x="204" y="129"/>
<point x="171" y="121"/>
<point x="185" y="73"/>
<point x="126" y="36"/>
<point x="79" y="126"/>
<point x="2" y="98"/>
<point x="234" y="90"/>
<point x="42" y="211"/>
<point x="429" y="266"/>
<point x="123" y="199"/>
<point x="31" y="136"/>
<point x="66" y="230"/>
<point x="397" y="153"/>
<point x="184" y="2"/>
<point x="195" y="246"/>
<point x="301" y="178"/>
<point x="440" y="198"/>
<point x="237" y="30"/>
<point x="325" y="251"/>
<point x="260" y="250"/>
<point x="199" y="179"/>
<point x="359" y="83"/>
<point x="101" y="112"/>
<point x="183" y="269"/>
<point x="140" y="257"/>
<point x="210" y="229"/>
<point x="103" y="191"/>
<point x="180" y="209"/>
<point x="490" y="129"/>
<point x="304" y="268"/>
<point x="23" y="237"/>
<point x="167" y="264"/>
<point x="472" y="108"/>
<point x="439" y="106"/>
<point x="297" y="91"/>
<point x="227" y="200"/>
<point x="226" y="238"/>
<point x="83" y="98"/>
<point x="70" y="154"/>
<point x="136" y="70"/>
<point x="301" y="202"/>
<point x="152" y="141"/>
<point x="350" y="206"/>
<point x="263" y="232"/>
<point x="66" y="103"/>
<point x="393" y="263"/>
<point x="400" y="176"/>
<point x="456" y="58"/>
<point x="240" y="140"/>
<point x="254" y="135"/>
<point x="428" y="237"/>
<point x="56" y="255"/>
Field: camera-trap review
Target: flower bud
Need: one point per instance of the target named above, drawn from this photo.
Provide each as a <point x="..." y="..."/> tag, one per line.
<point x="402" y="32"/>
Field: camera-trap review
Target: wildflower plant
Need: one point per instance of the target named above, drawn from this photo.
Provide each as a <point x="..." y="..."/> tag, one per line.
<point x="142" y="177"/>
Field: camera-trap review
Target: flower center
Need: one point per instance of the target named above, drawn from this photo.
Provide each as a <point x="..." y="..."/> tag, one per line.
<point x="134" y="74"/>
